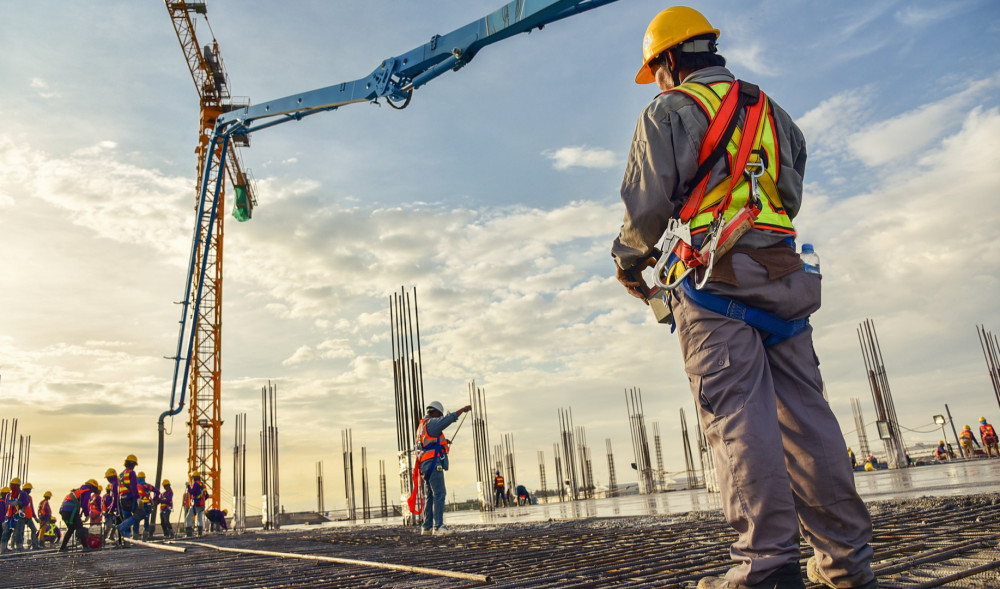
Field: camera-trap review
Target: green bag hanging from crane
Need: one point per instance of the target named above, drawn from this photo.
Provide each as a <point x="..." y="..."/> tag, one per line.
<point x="242" y="207"/>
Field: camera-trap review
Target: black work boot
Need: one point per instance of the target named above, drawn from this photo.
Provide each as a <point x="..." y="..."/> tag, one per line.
<point x="816" y="576"/>
<point x="786" y="577"/>
<point x="189" y="531"/>
<point x="200" y="531"/>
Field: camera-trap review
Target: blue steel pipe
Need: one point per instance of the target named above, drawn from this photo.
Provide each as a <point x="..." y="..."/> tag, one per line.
<point x="217" y="138"/>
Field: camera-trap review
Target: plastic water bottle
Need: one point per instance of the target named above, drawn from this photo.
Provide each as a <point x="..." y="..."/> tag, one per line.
<point x="810" y="259"/>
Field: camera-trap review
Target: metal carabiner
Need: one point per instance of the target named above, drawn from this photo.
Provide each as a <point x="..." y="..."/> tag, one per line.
<point x="755" y="170"/>
<point x="676" y="232"/>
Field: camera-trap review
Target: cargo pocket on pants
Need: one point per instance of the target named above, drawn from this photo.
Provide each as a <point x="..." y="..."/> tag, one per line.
<point x="706" y="373"/>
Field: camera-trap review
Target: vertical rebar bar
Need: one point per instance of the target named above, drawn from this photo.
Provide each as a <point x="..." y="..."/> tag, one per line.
<point x="612" y="478"/>
<point x="692" y="477"/>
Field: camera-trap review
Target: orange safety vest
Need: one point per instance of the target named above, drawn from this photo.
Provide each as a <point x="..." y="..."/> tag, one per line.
<point x="498" y="480"/>
<point x="986" y="431"/>
<point x="730" y="195"/>
<point x="426" y="441"/>
<point x="967" y="435"/>
<point x="125" y="481"/>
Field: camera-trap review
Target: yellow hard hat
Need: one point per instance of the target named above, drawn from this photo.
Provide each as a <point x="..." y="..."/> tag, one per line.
<point x="5" y="490"/>
<point x="967" y="427"/>
<point x="15" y="481"/>
<point x="27" y="487"/>
<point x="141" y="475"/>
<point x="196" y="475"/>
<point x="869" y="467"/>
<point x="108" y="488"/>
<point x="93" y="483"/>
<point x="131" y="458"/>
<point x="940" y="442"/>
<point x="47" y="494"/>
<point x="110" y="473"/>
<point x="982" y="419"/>
<point x="166" y="482"/>
<point x="225" y="511"/>
<point x="670" y="27"/>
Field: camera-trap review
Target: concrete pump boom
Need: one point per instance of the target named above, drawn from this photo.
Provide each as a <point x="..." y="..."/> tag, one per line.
<point x="394" y="79"/>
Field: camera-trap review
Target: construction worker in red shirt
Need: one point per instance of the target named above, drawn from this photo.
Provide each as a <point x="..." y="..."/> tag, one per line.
<point x="72" y="512"/>
<point x="989" y="436"/>
<point x="732" y="246"/>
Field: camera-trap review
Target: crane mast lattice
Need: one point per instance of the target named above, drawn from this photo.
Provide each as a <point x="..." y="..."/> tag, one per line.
<point x="212" y="84"/>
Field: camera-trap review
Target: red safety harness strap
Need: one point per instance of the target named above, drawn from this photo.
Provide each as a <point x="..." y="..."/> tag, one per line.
<point x="720" y="132"/>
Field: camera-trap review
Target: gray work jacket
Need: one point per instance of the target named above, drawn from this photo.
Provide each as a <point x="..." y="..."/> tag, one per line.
<point x="664" y="156"/>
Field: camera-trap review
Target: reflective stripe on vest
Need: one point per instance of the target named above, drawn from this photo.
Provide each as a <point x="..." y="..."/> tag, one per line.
<point x="773" y="216"/>
<point x="434" y="445"/>
<point x="125" y="482"/>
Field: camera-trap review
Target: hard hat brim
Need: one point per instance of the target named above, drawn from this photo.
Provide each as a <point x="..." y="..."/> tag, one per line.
<point x="645" y="75"/>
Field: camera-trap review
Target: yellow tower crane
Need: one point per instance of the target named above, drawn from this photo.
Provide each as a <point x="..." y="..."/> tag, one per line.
<point x="212" y="84"/>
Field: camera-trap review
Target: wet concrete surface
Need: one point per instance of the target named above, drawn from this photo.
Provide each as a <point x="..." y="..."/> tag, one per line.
<point x="962" y="477"/>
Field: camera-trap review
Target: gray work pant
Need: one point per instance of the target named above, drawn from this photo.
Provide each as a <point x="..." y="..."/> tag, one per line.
<point x="779" y="452"/>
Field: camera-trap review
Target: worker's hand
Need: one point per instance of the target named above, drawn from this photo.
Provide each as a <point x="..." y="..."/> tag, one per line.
<point x="632" y="279"/>
<point x="465" y="409"/>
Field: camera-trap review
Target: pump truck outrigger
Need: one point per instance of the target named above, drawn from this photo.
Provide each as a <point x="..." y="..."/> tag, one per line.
<point x="394" y="79"/>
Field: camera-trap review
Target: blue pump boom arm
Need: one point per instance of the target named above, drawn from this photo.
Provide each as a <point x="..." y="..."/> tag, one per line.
<point x="397" y="77"/>
<point x="394" y="79"/>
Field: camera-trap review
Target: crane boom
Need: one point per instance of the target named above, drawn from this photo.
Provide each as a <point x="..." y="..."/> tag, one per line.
<point x="395" y="79"/>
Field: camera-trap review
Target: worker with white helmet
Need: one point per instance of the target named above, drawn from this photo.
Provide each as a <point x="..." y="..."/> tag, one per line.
<point x="752" y="370"/>
<point x="433" y="461"/>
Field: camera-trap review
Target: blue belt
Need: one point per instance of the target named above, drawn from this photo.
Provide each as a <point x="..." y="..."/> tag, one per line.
<point x="775" y="329"/>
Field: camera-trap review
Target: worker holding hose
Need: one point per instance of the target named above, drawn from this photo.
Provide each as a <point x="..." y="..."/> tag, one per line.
<point x="749" y="360"/>
<point x="432" y="463"/>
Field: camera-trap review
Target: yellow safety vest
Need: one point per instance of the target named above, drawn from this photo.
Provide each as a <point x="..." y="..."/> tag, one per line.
<point x="773" y="216"/>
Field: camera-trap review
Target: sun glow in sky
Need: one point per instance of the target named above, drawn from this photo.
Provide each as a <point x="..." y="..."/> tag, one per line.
<point x="495" y="194"/>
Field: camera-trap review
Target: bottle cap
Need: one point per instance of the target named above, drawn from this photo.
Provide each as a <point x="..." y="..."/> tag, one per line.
<point x="807" y="248"/>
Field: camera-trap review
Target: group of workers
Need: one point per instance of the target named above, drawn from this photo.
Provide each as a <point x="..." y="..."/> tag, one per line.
<point x="968" y="441"/>
<point x="126" y="510"/>
<point x="502" y="496"/>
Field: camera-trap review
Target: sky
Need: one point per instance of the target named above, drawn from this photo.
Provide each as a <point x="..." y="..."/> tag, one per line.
<point x="494" y="195"/>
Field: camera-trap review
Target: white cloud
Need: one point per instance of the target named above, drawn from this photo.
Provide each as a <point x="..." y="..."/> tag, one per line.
<point x="919" y="16"/>
<point x="912" y="132"/>
<point x="582" y="157"/>
<point x="41" y="87"/>
<point x="842" y="126"/>
<point x="303" y="354"/>
<point x="750" y="56"/>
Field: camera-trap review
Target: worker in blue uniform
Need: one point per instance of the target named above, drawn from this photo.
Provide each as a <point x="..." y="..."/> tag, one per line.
<point x="433" y="461"/>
